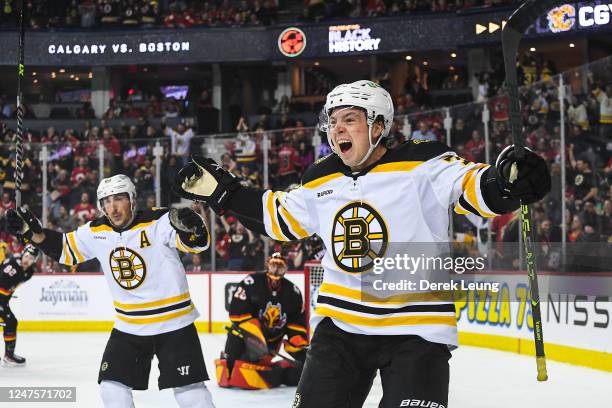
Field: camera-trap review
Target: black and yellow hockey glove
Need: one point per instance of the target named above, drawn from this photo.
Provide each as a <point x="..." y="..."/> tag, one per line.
<point x="188" y="221"/>
<point x="22" y="223"/>
<point x="527" y="179"/>
<point x="202" y="179"/>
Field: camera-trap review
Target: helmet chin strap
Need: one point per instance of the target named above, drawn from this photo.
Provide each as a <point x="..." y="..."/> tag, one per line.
<point x="372" y="145"/>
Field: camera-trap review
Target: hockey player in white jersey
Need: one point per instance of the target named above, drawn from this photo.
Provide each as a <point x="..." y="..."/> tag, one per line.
<point x="154" y="311"/>
<point x="358" y="200"/>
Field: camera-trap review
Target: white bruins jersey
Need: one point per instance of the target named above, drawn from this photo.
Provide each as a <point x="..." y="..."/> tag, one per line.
<point x="403" y="198"/>
<point x="142" y="268"/>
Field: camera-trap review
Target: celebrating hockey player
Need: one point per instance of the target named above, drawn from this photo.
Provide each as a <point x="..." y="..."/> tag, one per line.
<point x="359" y="199"/>
<point x="154" y="312"/>
<point x="264" y="309"/>
<point x="13" y="272"/>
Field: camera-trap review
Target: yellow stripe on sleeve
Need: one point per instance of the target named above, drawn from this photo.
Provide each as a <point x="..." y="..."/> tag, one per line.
<point x="295" y="225"/>
<point x="460" y="210"/>
<point x="73" y="245"/>
<point x="185" y="248"/>
<point x="67" y="257"/>
<point x="273" y="221"/>
<point x="471" y="192"/>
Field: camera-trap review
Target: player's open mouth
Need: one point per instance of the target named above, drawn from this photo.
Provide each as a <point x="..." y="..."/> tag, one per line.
<point x="344" y="145"/>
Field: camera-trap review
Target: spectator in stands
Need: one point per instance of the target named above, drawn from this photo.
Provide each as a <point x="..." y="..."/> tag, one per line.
<point x="282" y="107"/>
<point x="475" y="148"/>
<point x="180" y="140"/>
<point x="245" y="151"/>
<point x="288" y="161"/>
<point x="423" y="132"/>
<point x="239" y="237"/>
<point x="196" y="264"/>
<point x="110" y="142"/>
<point x="84" y="210"/>
<point x="7" y="203"/>
<point x="64" y="222"/>
<point x="604" y="98"/>
<point x="87" y="11"/>
<point x="590" y="218"/>
<point x="577" y="113"/>
<point x="109" y="12"/>
<point x="170" y="108"/>
<point x="459" y="133"/>
<point x="584" y="183"/>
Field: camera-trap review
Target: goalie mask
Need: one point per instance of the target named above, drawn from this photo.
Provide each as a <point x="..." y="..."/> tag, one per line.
<point x="116" y="185"/>
<point x="367" y="95"/>
<point x="276" y="267"/>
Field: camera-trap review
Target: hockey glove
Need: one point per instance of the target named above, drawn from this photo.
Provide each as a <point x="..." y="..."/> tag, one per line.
<point x="527" y="179"/>
<point x="22" y="223"/>
<point x="188" y="221"/>
<point x="202" y="179"/>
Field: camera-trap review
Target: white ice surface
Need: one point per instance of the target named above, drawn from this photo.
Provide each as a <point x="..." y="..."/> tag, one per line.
<point x="479" y="378"/>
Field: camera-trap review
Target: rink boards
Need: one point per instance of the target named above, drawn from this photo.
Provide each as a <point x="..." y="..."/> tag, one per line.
<point x="577" y="328"/>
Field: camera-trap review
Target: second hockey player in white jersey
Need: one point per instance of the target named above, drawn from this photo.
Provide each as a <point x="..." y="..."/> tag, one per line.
<point x="154" y="311"/>
<point x="361" y="200"/>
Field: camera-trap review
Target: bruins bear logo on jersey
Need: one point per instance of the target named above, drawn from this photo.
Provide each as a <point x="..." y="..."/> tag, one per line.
<point x="128" y="267"/>
<point x="359" y="236"/>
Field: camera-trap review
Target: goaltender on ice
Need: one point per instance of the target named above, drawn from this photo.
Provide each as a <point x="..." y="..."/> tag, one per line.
<point x="154" y="312"/>
<point x="355" y="198"/>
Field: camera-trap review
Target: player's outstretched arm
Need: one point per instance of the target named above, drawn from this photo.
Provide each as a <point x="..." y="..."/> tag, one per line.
<point x="202" y="179"/>
<point x="24" y="225"/>
<point x="69" y="249"/>
<point x="485" y="190"/>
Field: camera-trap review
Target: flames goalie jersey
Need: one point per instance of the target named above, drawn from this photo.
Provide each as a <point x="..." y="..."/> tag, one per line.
<point x="142" y="269"/>
<point x="402" y="198"/>
<point x="279" y="311"/>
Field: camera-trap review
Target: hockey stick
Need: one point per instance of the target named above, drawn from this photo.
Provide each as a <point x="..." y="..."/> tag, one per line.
<point x="19" y="139"/>
<point x="512" y="33"/>
<point x="255" y="343"/>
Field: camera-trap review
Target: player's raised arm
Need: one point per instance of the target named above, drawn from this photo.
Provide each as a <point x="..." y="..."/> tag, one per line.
<point x="486" y="190"/>
<point x="283" y="216"/>
<point x="67" y="248"/>
<point x="188" y="231"/>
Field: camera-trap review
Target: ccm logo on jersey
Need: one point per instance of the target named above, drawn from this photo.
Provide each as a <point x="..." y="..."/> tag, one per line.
<point x="324" y="193"/>
<point x="420" y="403"/>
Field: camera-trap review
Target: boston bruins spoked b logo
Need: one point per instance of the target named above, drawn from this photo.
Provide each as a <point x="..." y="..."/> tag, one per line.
<point x="128" y="268"/>
<point x="359" y="236"/>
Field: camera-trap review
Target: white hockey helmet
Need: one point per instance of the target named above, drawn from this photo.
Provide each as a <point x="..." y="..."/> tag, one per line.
<point x="116" y="185"/>
<point x="361" y="94"/>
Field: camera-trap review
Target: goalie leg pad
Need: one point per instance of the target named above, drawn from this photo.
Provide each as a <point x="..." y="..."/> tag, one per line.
<point x="248" y="376"/>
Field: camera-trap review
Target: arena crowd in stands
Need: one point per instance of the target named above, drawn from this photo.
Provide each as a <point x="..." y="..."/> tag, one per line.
<point x="110" y="14"/>
<point x="73" y="167"/>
